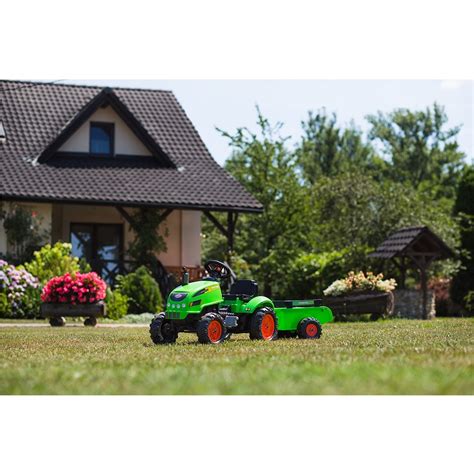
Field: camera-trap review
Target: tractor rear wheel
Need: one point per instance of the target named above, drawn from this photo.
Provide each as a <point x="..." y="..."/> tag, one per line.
<point x="211" y="329"/>
<point x="263" y="325"/>
<point x="309" y="328"/>
<point x="162" y="331"/>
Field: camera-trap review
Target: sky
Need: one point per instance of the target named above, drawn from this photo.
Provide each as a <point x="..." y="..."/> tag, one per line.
<point x="231" y="104"/>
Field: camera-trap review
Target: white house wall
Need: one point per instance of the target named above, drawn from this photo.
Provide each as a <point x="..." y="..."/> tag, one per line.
<point x="126" y="142"/>
<point x="191" y="238"/>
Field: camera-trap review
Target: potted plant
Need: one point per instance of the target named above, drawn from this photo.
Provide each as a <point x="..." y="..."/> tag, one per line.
<point x="74" y="294"/>
<point x="360" y="293"/>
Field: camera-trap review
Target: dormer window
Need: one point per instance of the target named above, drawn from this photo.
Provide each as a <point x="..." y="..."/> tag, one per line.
<point x="101" y="139"/>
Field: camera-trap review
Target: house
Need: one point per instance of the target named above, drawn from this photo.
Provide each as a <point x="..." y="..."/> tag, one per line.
<point x="86" y="158"/>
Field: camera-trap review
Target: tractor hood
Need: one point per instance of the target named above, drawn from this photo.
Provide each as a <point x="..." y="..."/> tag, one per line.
<point x="192" y="298"/>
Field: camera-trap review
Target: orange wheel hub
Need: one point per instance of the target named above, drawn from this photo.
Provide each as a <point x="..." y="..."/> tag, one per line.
<point x="268" y="326"/>
<point x="214" y="331"/>
<point x="311" y="330"/>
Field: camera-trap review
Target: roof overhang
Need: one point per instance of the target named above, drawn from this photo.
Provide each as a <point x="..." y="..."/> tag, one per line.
<point x="132" y="204"/>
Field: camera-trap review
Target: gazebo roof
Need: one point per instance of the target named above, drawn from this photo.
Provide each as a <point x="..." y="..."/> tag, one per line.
<point x="414" y="241"/>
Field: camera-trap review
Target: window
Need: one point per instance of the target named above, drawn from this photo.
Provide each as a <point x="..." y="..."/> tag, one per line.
<point x="101" y="245"/>
<point x="101" y="139"/>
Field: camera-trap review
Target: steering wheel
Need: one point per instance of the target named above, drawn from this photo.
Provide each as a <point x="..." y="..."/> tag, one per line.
<point x="217" y="270"/>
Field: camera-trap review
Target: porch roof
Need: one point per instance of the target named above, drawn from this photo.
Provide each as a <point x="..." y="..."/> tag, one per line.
<point x="182" y="175"/>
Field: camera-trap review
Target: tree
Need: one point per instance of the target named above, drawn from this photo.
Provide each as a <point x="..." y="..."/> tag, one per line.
<point x="420" y="149"/>
<point x="263" y="164"/>
<point x="463" y="282"/>
<point x="327" y="150"/>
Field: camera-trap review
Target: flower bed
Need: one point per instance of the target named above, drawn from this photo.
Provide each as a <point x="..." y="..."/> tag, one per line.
<point x="78" y="288"/>
<point x="18" y="292"/>
<point x="360" y="293"/>
<point x="360" y="283"/>
<point x="74" y="295"/>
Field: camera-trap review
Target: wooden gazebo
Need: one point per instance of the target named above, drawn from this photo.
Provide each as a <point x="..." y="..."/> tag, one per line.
<point x="413" y="247"/>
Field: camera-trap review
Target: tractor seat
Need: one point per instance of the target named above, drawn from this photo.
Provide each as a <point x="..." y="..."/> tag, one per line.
<point x="244" y="287"/>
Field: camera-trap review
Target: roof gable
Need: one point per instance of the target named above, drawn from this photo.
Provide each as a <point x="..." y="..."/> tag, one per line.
<point x="34" y="114"/>
<point x="106" y="97"/>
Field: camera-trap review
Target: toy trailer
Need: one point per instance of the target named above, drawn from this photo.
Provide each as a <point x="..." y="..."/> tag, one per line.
<point x="302" y="318"/>
<point x="201" y="308"/>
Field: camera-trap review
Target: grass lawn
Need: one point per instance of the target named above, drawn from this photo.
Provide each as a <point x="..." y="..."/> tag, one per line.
<point x="388" y="357"/>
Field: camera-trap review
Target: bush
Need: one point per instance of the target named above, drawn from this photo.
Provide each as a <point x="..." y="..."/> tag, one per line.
<point x="54" y="261"/>
<point x="76" y="288"/>
<point x="117" y="304"/>
<point x="142" y="290"/>
<point x="19" y="292"/>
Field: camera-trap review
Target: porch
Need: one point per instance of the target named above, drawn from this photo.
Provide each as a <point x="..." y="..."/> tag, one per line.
<point x="101" y="235"/>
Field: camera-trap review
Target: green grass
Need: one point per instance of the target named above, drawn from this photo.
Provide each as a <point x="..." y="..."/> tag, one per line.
<point x="391" y="357"/>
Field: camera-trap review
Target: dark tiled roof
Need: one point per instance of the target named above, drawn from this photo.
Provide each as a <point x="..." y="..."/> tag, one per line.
<point x="416" y="239"/>
<point x="35" y="114"/>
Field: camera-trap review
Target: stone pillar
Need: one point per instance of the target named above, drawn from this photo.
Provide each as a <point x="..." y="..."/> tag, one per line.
<point x="409" y="304"/>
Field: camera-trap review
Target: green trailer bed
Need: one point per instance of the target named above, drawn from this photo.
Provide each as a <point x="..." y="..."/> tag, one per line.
<point x="289" y="313"/>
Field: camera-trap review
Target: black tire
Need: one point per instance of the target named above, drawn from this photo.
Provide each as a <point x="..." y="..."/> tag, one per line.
<point x="57" y="322"/>
<point x="208" y="330"/>
<point x="259" y="327"/>
<point x="309" y="328"/>
<point x="90" y="321"/>
<point x="162" y="331"/>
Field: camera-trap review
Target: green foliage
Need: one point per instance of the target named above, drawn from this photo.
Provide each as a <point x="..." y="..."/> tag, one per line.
<point x="30" y="304"/>
<point x="268" y="242"/>
<point x="421" y="151"/>
<point x="5" y="306"/>
<point x="331" y="200"/>
<point x="23" y="230"/>
<point x="313" y="272"/>
<point x="51" y="261"/>
<point x="147" y="240"/>
<point x="356" y="210"/>
<point x="326" y="149"/>
<point x="117" y="304"/>
<point x="142" y="291"/>
<point x="464" y="208"/>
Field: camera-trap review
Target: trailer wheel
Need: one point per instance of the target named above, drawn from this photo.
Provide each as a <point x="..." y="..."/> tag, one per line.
<point x="91" y="321"/>
<point x="57" y="322"/>
<point x="309" y="328"/>
<point x="211" y="329"/>
<point x="162" y="331"/>
<point x="263" y="325"/>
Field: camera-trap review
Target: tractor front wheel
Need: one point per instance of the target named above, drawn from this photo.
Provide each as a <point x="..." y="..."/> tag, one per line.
<point x="162" y="331"/>
<point x="211" y="329"/>
<point x="309" y="328"/>
<point x="263" y="325"/>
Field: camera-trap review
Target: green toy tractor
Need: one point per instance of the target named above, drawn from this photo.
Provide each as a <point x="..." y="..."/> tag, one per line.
<point x="201" y="308"/>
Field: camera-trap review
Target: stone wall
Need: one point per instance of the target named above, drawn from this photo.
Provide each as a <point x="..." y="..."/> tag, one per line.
<point x="409" y="304"/>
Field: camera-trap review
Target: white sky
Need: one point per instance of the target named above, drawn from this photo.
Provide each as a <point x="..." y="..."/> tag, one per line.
<point x="230" y="104"/>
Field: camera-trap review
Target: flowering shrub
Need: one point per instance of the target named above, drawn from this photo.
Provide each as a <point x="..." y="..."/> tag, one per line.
<point x="18" y="292"/>
<point x="74" y="288"/>
<point x="360" y="281"/>
<point x="56" y="260"/>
